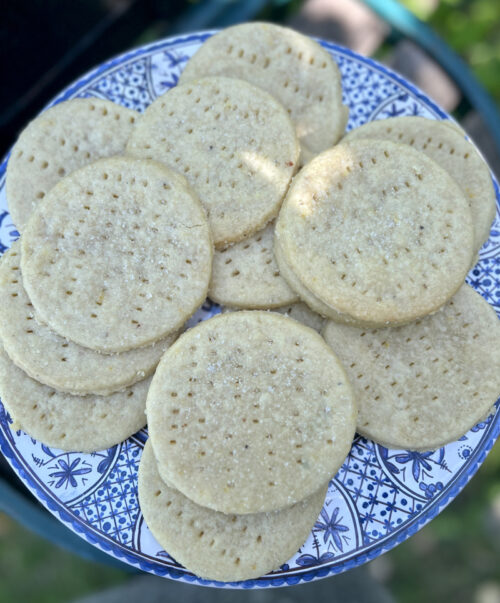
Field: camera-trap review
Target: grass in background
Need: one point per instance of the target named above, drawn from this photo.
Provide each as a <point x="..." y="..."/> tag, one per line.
<point x="34" y="571"/>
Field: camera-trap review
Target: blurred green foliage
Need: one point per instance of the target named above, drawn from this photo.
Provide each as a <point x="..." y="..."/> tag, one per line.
<point x="33" y="570"/>
<point x="471" y="28"/>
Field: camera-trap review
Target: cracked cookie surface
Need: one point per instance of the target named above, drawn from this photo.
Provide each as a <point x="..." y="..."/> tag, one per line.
<point x="117" y="255"/>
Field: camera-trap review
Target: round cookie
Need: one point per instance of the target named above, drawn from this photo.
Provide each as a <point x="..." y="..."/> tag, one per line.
<point x="82" y="423"/>
<point x="302" y="313"/>
<point x="62" y="139"/>
<point x="296" y="70"/>
<point x="234" y="143"/>
<point x="376" y="231"/>
<point x="117" y="255"/>
<point x="299" y="312"/>
<point x="249" y="412"/>
<point x="446" y="145"/>
<point x="246" y="275"/>
<point x="56" y="361"/>
<point x="217" y="546"/>
<point x="316" y="306"/>
<point x="425" y="384"/>
<point x="305" y="156"/>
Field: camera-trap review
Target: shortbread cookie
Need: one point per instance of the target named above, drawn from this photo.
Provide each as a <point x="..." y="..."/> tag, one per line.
<point x="250" y="412"/>
<point x="117" y="255"/>
<point x="246" y="275"/>
<point x="56" y="361"/>
<point x="217" y="546"/>
<point x="299" y="312"/>
<point x="446" y="145"/>
<point x="296" y="70"/>
<point x="425" y="384"/>
<point x="303" y="314"/>
<point x="60" y="140"/>
<point x="234" y="143"/>
<point x="82" y="423"/>
<point x="454" y="126"/>
<point x="305" y="156"/>
<point x="315" y="305"/>
<point x="377" y="231"/>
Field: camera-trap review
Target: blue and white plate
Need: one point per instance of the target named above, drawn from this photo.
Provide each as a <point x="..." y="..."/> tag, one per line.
<point x="379" y="497"/>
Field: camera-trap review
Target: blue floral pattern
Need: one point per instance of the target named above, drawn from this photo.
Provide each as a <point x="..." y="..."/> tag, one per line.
<point x="66" y="474"/>
<point x="379" y="496"/>
<point x="332" y="528"/>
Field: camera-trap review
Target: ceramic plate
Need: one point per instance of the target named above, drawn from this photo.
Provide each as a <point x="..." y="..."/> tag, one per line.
<point x="380" y="496"/>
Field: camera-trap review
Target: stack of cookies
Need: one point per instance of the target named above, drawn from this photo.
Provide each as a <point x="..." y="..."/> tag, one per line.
<point x="377" y="235"/>
<point x="230" y="185"/>
<point x="250" y="415"/>
<point x="109" y="267"/>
